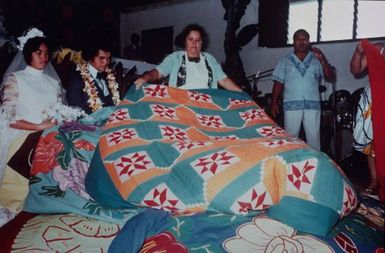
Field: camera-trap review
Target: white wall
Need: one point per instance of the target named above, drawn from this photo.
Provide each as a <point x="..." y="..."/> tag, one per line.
<point x="209" y="13"/>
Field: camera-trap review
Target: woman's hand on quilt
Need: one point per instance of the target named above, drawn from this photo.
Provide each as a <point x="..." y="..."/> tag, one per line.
<point x="48" y="123"/>
<point x="138" y="82"/>
<point x="25" y="125"/>
<point x="149" y="76"/>
<point x="229" y="84"/>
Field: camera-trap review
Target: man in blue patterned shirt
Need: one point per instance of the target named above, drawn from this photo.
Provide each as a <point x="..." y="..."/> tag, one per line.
<point x="298" y="75"/>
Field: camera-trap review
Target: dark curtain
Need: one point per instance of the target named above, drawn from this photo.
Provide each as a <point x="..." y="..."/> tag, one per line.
<point x="273" y="21"/>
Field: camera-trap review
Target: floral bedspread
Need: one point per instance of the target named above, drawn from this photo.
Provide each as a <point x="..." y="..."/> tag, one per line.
<point x="361" y="232"/>
<point x="158" y="231"/>
<point x="61" y="162"/>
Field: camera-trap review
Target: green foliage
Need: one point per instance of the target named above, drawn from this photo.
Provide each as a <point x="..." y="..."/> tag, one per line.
<point x="52" y="191"/>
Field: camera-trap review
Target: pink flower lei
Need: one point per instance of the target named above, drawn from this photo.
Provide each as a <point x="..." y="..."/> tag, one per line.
<point x="94" y="101"/>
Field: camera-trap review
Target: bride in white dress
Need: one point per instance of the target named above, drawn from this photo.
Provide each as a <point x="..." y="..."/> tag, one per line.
<point x="26" y="95"/>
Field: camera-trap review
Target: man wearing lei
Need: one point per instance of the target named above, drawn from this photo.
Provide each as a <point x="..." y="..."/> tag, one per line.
<point x="93" y="85"/>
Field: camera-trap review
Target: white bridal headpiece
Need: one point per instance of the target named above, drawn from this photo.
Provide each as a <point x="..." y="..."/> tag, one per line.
<point x="31" y="33"/>
<point x="18" y="62"/>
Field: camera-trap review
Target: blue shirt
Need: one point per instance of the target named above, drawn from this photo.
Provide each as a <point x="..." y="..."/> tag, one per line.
<point x="171" y="64"/>
<point x="301" y="81"/>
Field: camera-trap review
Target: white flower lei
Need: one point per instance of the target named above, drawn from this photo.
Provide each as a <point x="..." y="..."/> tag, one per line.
<point x="94" y="101"/>
<point x="32" y="33"/>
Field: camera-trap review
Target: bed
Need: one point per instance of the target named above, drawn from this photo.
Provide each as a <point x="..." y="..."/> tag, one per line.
<point x="170" y="170"/>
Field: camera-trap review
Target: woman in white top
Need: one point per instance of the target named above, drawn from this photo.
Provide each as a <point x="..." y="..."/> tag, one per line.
<point x="26" y="94"/>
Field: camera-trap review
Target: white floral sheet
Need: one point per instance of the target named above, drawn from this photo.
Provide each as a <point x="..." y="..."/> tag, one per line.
<point x="158" y="231"/>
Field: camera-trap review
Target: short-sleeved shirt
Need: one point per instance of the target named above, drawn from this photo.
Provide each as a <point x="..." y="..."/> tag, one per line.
<point x="301" y="81"/>
<point x="171" y="64"/>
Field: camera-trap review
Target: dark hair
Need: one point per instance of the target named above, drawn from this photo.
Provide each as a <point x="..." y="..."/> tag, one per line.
<point x="33" y="45"/>
<point x="93" y="48"/>
<point x="303" y="31"/>
<point x="180" y="39"/>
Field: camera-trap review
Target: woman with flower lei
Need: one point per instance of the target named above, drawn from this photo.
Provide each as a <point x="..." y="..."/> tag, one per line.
<point x="93" y="85"/>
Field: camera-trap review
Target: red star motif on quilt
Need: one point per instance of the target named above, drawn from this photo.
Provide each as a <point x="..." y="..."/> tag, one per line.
<point x="174" y="133"/>
<point x="161" y="197"/>
<point x="132" y="164"/>
<point x="118" y="115"/>
<point x="253" y="114"/>
<point x="234" y="101"/>
<point x="257" y="202"/>
<point x="299" y="175"/>
<point x="164" y="111"/>
<point x="269" y="131"/>
<point x="199" y="97"/>
<point x="210" y="165"/>
<point x="122" y="135"/>
<point x="159" y="91"/>
<point x="256" y="198"/>
<point x="273" y="143"/>
<point x="229" y="137"/>
<point x="210" y="121"/>
<point x="350" y="201"/>
<point x="184" y="146"/>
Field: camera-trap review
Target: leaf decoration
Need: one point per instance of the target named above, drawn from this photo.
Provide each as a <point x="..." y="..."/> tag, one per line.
<point x="246" y="34"/>
<point x="52" y="191"/>
<point x="79" y="156"/>
<point x="70" y="144"/>
<point x="34" y="180"/>
<point x="64" y="158"/>
<point x="97" y="209"/>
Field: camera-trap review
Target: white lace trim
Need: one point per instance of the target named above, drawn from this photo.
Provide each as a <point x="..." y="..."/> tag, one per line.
<point x="7" y="136"/>
<point x="10" y="94"/>
<point x="6" y="215"/>
<point x="7" y="116"/>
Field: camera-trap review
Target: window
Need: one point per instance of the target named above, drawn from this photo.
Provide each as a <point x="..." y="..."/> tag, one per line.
<point x="303" y="15"/>
<point x="371" y="19"/>
<point x="332" y="20"/>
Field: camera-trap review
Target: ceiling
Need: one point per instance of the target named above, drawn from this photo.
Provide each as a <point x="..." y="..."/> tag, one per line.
<point x="129" y="5"/>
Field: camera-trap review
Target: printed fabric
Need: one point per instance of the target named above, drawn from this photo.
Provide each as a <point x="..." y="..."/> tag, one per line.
<point x="301" y="80"/>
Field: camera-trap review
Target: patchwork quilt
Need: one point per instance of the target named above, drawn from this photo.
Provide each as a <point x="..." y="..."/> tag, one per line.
<point x="196" y="151"/>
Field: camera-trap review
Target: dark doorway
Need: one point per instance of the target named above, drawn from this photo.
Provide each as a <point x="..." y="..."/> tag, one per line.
<point x="157" y="43"/>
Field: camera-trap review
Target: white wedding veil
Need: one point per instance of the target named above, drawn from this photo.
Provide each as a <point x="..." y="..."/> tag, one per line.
<point x="18" y="62"/>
